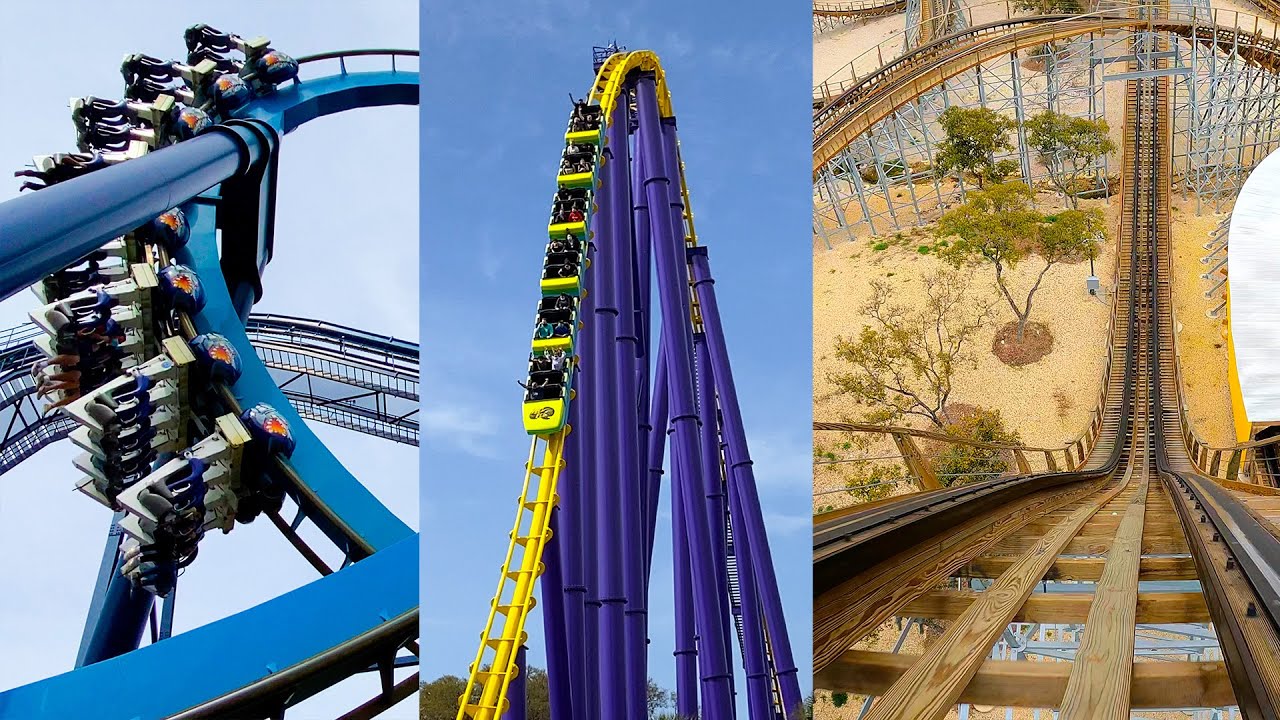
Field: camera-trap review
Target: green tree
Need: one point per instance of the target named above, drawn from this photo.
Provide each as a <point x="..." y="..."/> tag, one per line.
<point x="998" y="226"/>
<point x="658" y="699"/>
<point x="973" y="138"/>
<point x="438" y="699"/>
<point x="1050" y="7"/>
<point x="903" y="363"/>
<point x="960" y="464"/>
<point x="1067" y="146"/>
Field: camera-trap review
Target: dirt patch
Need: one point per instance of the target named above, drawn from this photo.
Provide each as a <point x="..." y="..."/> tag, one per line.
<point x="1037" y="341"/>
<point x="1062" y="402"/>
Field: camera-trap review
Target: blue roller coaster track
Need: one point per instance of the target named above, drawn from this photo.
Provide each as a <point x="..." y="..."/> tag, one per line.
<point x="360" y="617"/>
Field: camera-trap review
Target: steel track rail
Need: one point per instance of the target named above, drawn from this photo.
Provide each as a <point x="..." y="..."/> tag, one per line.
<point x="305" y="348"/>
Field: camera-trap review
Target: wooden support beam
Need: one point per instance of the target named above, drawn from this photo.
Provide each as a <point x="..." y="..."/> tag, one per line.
<point x="932" y="685"/>
<point x="916" y="462"/>
<point x="1050" y="462"/>
<point x="1233" y="465"/>
<point x="862" y="603"/>
<point x="1008" y="683"/>
<point x="1100" y="682"/>
<point x="1051" y="608"/>
<point x="1176" y="568"/>
<point x="1024" y="467"/>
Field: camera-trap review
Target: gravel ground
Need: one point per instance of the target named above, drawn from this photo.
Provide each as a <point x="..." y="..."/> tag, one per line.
<point x="1024" y="396"/>
<point x="1202" y="347"/>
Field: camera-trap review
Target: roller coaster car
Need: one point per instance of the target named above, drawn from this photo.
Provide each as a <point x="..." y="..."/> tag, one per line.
<point x="556" y="326"/>
<point x="562" y="272"/>
<point x="545" y="406"/>
<point x="585" y="124"/>
<point x="53" y="169"/>
<point x="570" y="212"/>
<point x="577" y="169"/>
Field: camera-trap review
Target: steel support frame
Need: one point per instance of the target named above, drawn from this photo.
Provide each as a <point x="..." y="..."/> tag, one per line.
<point x="872" y="188"/>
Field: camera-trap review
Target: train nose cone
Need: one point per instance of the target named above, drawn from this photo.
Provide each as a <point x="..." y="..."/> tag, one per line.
<point x="181" y="287"/>
<point x="218" y="357"/>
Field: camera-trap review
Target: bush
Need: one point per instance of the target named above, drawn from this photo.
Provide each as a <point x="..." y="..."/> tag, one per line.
<point x="961" y="464"/>
<point x="880" y="246"/>
<point x="884" y="477"/>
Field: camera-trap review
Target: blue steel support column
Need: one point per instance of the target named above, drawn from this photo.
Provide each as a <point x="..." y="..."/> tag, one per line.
<point x="630" y="477"/>
<point x="668" y="246"/>
<point x="568" y="541"/>
<point x="98" y="610"/>
<point x="616" y="225"/>
<point x="125" y="610"/>
<point x="712" y="483"/>
<point x="55" y="227"/>
<point x="743" y="482"/>
<point x="553" y="629"/>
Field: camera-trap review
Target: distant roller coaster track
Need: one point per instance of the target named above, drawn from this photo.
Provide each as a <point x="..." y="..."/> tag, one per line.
<point x="877" y="95"/>
<point x="858" y="10"/>
<point x="335" y="375"/>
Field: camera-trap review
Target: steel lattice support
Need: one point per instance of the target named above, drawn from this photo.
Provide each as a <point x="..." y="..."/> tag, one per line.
<point x="336" y="375"/>
<point x="884" y="180"/>
<point x="1224" y="118"/>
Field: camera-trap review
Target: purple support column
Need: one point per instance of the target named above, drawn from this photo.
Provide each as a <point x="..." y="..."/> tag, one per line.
<point x="755" y="664"/>
<point x="517" y="691"/>
<point x="589" y="380"/>
<point x="553" y="626"/>
<point x="686" y="646"/>
<point x="640" y="305"/>
<point x="613" y="232"/>
<point x="567" y="540"/>
<point x="743" y="483"/>
<point x="657" y="449"/>
<point x="626" y="425"/>
<point x="712" y="484"/>
<point x="673" y="292"/>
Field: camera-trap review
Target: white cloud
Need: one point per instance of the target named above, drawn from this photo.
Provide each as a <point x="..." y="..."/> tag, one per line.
<point x="464" y="427"/>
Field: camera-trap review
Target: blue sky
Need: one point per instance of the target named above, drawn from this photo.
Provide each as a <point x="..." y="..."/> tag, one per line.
<point x="346" y="251"/>
<point x="496" y="98"/>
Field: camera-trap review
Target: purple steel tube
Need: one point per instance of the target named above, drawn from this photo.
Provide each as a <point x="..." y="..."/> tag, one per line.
<point x="553" y="629"/>
<point x="755" y="664"/>
<point x="567" y="540"/>
<point x="673" y="297"/>
<point x="743" y="482"/>
<point x="640" y="305"/>
<point x="517" y="691"/>
<point x="657" y="449"/>
<point x="686" y="645"/>
<point x="614" y="228"/>
<point x="712" y="483"/>
<point x="590" y="380"/>
<point x="626" y="425"/>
